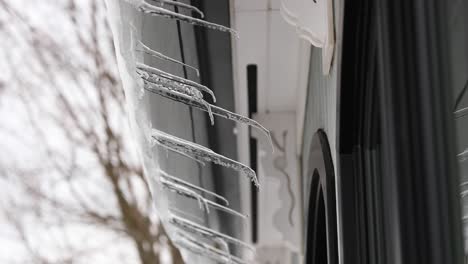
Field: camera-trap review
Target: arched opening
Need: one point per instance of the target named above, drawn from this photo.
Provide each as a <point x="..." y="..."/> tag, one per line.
<point x="321" y="242"/>
<point x="319" y="236"/>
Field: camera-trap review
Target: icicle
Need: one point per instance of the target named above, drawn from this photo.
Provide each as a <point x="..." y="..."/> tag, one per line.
<point x="175" y="79"/>
<point x="181" y="5"/>
<point x="161" y="81"/>
<point x="158" y="11"/>
<point x="461" y="112"/>
<point x="197" y="229"/>
<point x="200" y="251"/>
<point x="194" y="94"/>
<point x="206" y="250"/>
<point x="186" y="214"/>
<point x="150" y="84"/>
<point x="161" y="56"/>
<point x="465" y="218"/>
<point x="176" y="96"/>
<point x="226" y="209"/>
<point x="183" y="154"/>
<point x="200" y="152"/>
<point x="203" y="202"/>
<point x="167" y="176"/>
<point x="463" y="156"/>
<point x="186" y="192"/>
<point x="225" y="245"/>
<point x="210" y="252"/>
<point x="464" y="193"/>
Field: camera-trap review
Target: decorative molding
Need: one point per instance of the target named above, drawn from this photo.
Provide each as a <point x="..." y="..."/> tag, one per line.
<point x="313" y="20"/>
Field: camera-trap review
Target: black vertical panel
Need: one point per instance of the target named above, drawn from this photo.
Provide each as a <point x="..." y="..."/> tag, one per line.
<point x="399" y="182"/>
<point x="359" y="137"/>
<point x="421" y="200"/>
<point x="252" y="91"/>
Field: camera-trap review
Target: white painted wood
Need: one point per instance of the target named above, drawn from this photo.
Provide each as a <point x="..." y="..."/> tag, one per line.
<point x="282" y="67"/>
<point x="303" y="63"/>
<point x="313" y="20"/>
<point x="280" y="207"/>
<point x="282" y="60"/>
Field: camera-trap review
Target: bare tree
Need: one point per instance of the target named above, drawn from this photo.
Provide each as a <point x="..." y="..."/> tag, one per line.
<point x="68" y="163"/>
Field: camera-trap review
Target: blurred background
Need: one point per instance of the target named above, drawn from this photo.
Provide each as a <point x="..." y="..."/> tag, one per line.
<point x="71" y="186"/>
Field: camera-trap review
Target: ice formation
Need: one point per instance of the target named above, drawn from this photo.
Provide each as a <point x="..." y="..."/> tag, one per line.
<point x="186" y="192"/>
<point x="173" y="79"/>
<point x="189" y="100"/>
<point x="204" y="249"/>
<point x="179" y="5"/>
<point x="463" y="156"/>
<point x="148" y="8"/>
<point x="159" y="55"/>
<point x="139" y="77"/>
<point x="203" y="203"/>
<point x="461" y="112"/>
<point x="196" y="229"/>
<point x="169" y="177"/>
<point x="199" y="152"/>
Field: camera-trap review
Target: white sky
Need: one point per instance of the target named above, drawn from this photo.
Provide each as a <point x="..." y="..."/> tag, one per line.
<point x="54" y="236"/>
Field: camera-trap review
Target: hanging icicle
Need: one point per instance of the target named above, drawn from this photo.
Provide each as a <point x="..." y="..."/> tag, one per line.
<point x="203" y="202"/>
<point x="202" y="231"/>
<point x="179" y="5"/>
<point x="463" y="156"/>
<point x="204" y="249"/>
<point x="188" y="100"/>
<point x="165" y="83"/>
<point x="461" y="113"/>
<point x="187" y="234"/>
<point x="173" y="80"/>
<point x="199" y="152"/>
<point x="150" y="9"/>
<point x="186" y="192"/>
<point x="147" y="50"/>
<point x="169" y="177"/>
<point x="159" y="83"/>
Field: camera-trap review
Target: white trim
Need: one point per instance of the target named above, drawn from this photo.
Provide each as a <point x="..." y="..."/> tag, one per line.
<point x="302" y="87"/>
<point x="314" y="22"/>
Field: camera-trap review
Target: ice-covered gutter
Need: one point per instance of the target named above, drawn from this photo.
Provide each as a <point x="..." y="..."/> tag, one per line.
<point x="138" y="79"/>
